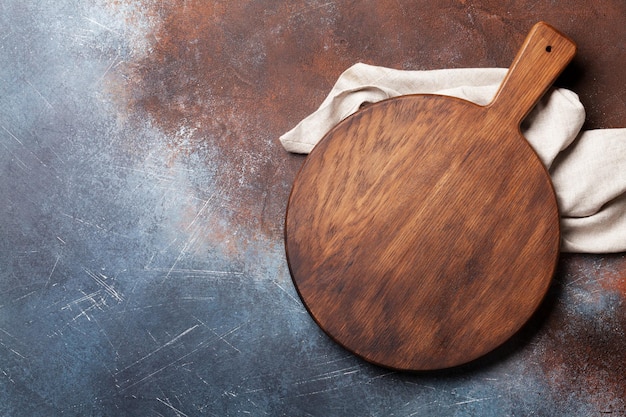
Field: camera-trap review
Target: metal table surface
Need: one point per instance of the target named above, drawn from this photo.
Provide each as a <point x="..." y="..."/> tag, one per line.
<point x="142" y="268"/>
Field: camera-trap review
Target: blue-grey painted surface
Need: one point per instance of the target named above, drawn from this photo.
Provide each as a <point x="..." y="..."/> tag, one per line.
<point x="141" y="261"/>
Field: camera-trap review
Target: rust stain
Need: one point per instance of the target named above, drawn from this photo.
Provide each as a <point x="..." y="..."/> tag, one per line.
<point x="224" y="80"/>
<point x="614" y="275"/>
<point x="585" y="336"/>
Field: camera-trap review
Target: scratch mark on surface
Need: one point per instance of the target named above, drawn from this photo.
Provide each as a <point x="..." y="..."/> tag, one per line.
<point x="177" y="411"/>
<point x="102" y="26"/>
<point x="85" y="297"/>
<point x="180" y="256"/>
<point x="171" y="342"/>
<point x="149" y="174"/>
<point x="150" y="375"/>
<point x="332" y="374"/>
<point x="223" y="336"/>
<point x="12" y="135"/>
<point x="40" y="95"/>
<point x="83" y="313"/>
<point x="100" y="228"/>
<point x="152" y="337"/>
<point x="193" y="271"/>
<point x="474" y="400"/>
<point x="7" y="333"/>
<point x="9" y="348"/>
<point x="575" y="281"/>
<point x="323" y="391"/>
<point x="99" y="278"/>
<point x="95" y="304"/>
<point x="206" y="203"/>
<point x="204" y="299"/>
<point x="58" y="157"/>
<point x="381" y="376"/>
<point x="422" y="406"/>
<point x="288" y="294"/>
<point x="25" y="295"/>
<point x="200" y="346"/>
<point x="306" y="10"/>
<point x="113" y="61"/>
<point x="12" y="350"/>
<point x="21" y="163"/>
<point x="8" y="376"/>
<point x="114" y="349"/>
<point x="52" y="271"/>
<point x="335" y="360"/>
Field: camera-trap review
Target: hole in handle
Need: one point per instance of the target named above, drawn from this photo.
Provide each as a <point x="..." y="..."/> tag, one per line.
<point x="549" y="48"/>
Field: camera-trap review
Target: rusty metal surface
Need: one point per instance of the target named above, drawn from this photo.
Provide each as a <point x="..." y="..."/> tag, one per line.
<point x="141" y="262"/>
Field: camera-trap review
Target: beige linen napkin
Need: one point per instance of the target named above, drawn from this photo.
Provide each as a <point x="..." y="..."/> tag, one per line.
<point x="588" y="168"/>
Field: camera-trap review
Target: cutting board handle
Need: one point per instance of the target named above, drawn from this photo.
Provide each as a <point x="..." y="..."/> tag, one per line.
<point x="543" y="56"/>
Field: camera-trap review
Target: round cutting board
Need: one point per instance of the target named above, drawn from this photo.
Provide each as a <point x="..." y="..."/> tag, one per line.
<point x="423" y="231"/>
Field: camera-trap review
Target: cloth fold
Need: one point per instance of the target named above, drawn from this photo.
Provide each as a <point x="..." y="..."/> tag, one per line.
<point x="588" y="168"/>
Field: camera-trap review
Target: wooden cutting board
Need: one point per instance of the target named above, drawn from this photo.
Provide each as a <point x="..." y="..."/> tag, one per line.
<point x="423" y="231"/>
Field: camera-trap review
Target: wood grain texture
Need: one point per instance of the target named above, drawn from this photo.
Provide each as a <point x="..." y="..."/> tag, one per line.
<point x="423" y="231"/>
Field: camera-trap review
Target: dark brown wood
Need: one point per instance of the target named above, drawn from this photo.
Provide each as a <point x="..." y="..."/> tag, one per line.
<point x="423" y="231"/>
